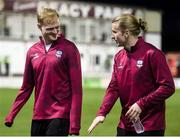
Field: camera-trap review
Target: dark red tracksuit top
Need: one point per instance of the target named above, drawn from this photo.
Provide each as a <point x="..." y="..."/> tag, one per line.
<point x="140" y="76"/>
<point x="56" y="76"/>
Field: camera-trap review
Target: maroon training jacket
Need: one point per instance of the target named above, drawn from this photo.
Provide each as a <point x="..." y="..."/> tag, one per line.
<point x="141" y="76"/>
<point x="56" y="76"/>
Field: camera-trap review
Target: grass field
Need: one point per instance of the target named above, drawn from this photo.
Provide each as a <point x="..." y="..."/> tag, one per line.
<point x="91" y="101"/>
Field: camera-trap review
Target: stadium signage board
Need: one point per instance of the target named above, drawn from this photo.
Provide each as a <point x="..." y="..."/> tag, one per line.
<point x="84" y="10"/>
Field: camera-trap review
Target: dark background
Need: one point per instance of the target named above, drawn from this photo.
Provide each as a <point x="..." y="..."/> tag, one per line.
<point x="170" y="18"/>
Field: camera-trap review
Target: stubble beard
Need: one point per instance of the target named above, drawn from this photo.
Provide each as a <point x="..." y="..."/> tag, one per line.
<point x="120" y="44"/>
<point x="53" y="37"/>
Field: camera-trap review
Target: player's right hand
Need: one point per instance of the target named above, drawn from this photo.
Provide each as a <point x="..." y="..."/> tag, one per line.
<point x="96" y="121"/>
<point x="8" y="124"/>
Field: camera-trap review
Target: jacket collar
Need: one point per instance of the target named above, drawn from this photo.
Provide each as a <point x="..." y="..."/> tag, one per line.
<point x="136" y="46"/>
<point x="59" y="40"/>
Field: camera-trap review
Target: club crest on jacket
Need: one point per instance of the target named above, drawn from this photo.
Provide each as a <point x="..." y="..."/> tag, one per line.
<point x="139" y="63"/>
<point x="58" y="53"/>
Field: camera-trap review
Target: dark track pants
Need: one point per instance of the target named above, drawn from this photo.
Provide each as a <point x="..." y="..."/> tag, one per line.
<point x="123" y="132"/>
<point x="50" y="127"/>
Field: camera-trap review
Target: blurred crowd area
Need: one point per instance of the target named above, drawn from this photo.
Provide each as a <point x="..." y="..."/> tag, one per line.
<point x="173" y="60"/>
<point x="4" y="66"/>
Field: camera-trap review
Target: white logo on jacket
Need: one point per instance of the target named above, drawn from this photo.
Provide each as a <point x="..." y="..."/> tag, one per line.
<point x="139" y="63"/>
<point x="120" y="66"/>
<point x="59" y="53"/>
<point x="35" y="55"/>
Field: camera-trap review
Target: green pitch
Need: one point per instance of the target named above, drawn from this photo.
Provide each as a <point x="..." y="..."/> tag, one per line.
<point x="92" y="99"/>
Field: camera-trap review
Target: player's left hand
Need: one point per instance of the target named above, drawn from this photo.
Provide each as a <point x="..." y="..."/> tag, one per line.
<point x="96" y="121"/>
<point x="133" y="112"/>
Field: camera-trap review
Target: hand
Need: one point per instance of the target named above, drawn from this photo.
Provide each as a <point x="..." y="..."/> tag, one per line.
<point x="133" y="112"/>
<point x="96" y="121"/>
<point x="8" y="124"/>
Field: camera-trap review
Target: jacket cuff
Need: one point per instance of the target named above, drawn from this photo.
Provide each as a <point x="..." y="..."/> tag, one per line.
<point x="140" y="105"/>
<point x="100" y="113"/>
<point x="8" y="119"/>
<point x="74" y="131"/>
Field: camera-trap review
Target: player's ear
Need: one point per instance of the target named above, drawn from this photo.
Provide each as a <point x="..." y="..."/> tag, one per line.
<point x="126" y="33"/>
